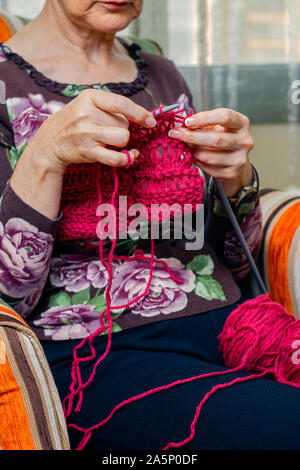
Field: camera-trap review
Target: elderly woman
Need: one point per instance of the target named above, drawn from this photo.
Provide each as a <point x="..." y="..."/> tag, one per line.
<point x="72" y="88"/>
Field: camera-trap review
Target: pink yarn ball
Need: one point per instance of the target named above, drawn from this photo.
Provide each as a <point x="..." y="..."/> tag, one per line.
<point x="260" y="336"/>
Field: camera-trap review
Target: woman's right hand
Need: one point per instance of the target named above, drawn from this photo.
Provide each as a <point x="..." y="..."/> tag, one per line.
<point x="91" y="128"/>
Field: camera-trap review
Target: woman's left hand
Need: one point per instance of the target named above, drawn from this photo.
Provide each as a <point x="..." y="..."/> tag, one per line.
<point x="221" y="140"/>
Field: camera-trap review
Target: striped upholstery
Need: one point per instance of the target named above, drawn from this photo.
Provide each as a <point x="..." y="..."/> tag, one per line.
<point x="31" y="415"/>
<point x="280" y="254"/>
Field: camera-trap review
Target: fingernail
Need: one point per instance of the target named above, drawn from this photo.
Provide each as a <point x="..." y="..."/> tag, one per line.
<point x="174" y="133"/>
<point x="190" y="121"/>
<point x="151" y="122"/>
<point x="136" y="153"/>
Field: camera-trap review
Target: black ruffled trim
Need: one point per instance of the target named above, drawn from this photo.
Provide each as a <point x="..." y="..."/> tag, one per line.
<point x="122" y="88"/>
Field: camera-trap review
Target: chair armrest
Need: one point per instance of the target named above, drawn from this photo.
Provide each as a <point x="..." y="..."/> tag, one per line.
<point x="279" y="259"/>
<point x="31" y="413"/>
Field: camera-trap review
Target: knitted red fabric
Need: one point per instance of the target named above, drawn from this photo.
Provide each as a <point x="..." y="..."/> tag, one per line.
<point x="258" y="336"/>
<point x="162" y="174"/>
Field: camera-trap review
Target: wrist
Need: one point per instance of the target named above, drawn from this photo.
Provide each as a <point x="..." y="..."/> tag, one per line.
<point x="41" y="189"/>
<point x="42" y="160"/>
<point x="242" y="202"/>
<point x="245" y="179"/>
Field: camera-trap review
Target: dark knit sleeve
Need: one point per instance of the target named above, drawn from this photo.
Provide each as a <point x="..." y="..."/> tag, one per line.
<point x="26" y="236"/>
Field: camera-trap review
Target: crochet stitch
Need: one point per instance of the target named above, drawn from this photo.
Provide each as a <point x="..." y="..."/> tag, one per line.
<point x="162" y="174"/>
<point x="257" y="337"/>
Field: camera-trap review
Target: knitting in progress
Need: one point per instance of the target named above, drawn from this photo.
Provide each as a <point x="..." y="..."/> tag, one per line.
<point x="258" y="336"/>
<point x="162" y="174"/>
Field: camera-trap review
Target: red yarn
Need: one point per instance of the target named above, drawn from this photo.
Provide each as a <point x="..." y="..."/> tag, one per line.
<point x="258" y="337"/>
<point x="158" y="150"/>
<point x="162" y="174"/>
<point x="261" y="334"/>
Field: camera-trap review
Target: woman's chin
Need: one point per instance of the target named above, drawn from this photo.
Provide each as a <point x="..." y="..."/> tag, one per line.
<point x="112" y="25"/>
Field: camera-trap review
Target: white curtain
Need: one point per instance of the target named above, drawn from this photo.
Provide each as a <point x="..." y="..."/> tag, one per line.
<point x="242" y="54"/>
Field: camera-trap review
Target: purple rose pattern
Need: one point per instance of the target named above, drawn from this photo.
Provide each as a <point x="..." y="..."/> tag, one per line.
<point x="69" y="322"/>
<point x="76" y="275"/>
<point x="24" y="258"/>
<point x="165" y="295"/>
<point x="252" y="229"/>
<point x="28" y="114"/>
<point x="24" y="262"/>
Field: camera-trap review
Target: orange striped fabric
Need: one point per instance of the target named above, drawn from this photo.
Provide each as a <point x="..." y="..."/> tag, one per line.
<point x="278" y="255"/>
<point x="15" y="428"/>
<point x="31" y="415"/>
<point x="5" y="32"/>
<point x="280" y="252"/>
<point x="12" y="314"/>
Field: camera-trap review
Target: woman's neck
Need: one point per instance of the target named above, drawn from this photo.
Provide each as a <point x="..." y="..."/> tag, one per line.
<point x="69" y="53"/>
<point x="73" y="36"/>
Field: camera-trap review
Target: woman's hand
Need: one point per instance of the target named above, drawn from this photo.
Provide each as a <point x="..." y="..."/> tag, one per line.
<point x="222" y="140"/>
<point x="90" y="129"/>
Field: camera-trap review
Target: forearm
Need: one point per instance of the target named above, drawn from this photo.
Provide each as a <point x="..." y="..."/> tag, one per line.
<point x="28" y="211"/>
<point x="37" y="183"/>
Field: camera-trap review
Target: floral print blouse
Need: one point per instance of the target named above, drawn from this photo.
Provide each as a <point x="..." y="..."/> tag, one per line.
<point x="59" y="288"/>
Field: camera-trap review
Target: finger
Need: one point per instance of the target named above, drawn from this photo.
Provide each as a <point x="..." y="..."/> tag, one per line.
<point x="207" y="139"/>
<point x="112" y="158"/>
<point x="113" y="103"/>
<point x="217" y="158"/>
<point x="113" y="136"/>
<point x="219" y="173"/>
<point x="105" y="119"/>
<point x="221" y="116"/>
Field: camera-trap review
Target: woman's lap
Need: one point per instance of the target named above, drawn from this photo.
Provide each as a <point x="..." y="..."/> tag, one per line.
<point x="259" y="414"/>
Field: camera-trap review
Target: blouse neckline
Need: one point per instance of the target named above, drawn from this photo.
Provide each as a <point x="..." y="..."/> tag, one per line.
<point x="72" y="90"/>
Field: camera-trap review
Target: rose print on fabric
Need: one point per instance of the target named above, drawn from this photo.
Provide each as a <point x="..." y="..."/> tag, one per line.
<point x="74" y="317"/>
<point x="76" y="273"/>
<point x="205" y="285"/>
<point x="252" y="229"/>
<point x="165" y="295"/>
<point x="28" y="114"/>
<point x="24" y="258"/>
<point x="74" y="90"/>
<point x="75" y="277"/>
<point x="69" y="322"/>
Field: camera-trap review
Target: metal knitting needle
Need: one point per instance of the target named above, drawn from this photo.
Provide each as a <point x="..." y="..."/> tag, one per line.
<point x="165" y="109"/>
<point x="241" y="237"/>
<point x="187" y="109"/>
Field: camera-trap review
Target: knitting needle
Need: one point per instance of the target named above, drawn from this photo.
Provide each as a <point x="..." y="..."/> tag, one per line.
<point x="241" y="237"/>
<point x="165" y="109"/>
<point x="187" y="109"/>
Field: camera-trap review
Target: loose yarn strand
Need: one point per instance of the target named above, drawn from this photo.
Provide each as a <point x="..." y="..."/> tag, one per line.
<point x="89" y="431"/>
<point x="208" y="395"/>
<point x="257" y="337"/>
